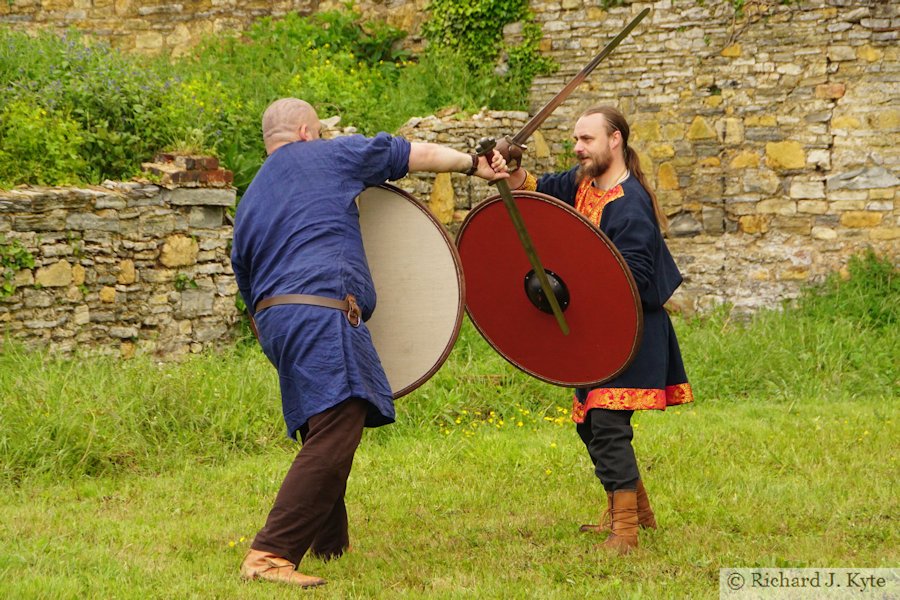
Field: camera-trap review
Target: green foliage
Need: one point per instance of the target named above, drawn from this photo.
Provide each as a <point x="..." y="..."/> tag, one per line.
<point x="102" y="112"/>
<point x="869" y="299"/>
<point x="472" y="31"/>
<point x="837" y="340"/>
<point x="37" y="147"/>
<point x="474" y="27"/>
<point x="183" y="281"/>
<point x="13" y="257"/>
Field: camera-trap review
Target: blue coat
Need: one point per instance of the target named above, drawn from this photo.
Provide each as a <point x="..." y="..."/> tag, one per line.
<point x="297" y="232"/>
<point x="656" y="378"/>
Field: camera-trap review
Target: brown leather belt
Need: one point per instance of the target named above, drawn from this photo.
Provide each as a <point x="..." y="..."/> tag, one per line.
<point x="347" y="305"/>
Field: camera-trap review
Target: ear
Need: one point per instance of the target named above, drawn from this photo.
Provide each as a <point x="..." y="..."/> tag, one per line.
<point x="304" y="132"/>
<point x="615" y="140"/>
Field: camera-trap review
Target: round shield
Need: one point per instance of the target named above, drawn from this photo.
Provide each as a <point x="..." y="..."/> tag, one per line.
<point x="418" y="283"/>
<point x="586" y="273"/>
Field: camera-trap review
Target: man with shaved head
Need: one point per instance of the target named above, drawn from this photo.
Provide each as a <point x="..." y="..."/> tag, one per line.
<point x="301" y="269"/>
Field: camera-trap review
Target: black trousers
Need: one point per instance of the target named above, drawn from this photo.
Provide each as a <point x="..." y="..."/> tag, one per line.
<point x="607" y="434"/>
<point x="309" y="511"/>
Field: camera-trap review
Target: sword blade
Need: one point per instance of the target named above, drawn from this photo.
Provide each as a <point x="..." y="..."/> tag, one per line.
<point x="546" y="111"/>
<point x="525" y="238"/>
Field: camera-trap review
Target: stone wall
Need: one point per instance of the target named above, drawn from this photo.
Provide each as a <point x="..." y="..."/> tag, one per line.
<point x="774" y="144"/>
<point x="773" y="140"/>
<point x="122" y="267"/>
<point x="154" y="27"/>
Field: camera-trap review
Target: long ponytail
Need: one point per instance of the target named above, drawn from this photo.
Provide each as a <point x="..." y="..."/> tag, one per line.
<point x="615" y="121"/>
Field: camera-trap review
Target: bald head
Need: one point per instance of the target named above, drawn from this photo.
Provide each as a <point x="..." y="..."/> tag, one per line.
<point x="289" y="120"/>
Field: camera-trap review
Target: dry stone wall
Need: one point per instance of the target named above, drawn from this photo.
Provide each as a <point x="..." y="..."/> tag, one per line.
<point x="154" y="27"/>
<point x="773" y="142"/>
<point x="121" y="267"/>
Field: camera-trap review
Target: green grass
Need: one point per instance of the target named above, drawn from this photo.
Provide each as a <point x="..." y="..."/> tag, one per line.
<point x="143" y="480"/>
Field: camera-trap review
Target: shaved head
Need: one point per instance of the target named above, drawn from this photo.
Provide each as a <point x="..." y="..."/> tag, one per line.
<point x="284" y="121"/>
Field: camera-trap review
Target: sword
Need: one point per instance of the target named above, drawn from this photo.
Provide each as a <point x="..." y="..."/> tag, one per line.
<point x="487" y="145"/>
<point x="537" y="120"/>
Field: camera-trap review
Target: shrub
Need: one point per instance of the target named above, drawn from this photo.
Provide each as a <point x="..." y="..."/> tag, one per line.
<point x="38" y="147"/>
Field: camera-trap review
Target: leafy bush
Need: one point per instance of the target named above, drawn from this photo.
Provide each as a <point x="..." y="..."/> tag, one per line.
<point x="103" y="112"/>
<point x="38" y="147"/>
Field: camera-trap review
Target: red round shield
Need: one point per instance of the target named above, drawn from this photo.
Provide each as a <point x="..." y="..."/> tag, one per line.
<point x="601" y="304"/>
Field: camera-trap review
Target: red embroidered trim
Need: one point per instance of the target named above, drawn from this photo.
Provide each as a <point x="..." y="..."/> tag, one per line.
<point x="590" y="201"/>
<point x="632" y="399"/>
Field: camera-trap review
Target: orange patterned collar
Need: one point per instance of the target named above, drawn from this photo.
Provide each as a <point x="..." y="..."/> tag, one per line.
<point x="590" y="201"/>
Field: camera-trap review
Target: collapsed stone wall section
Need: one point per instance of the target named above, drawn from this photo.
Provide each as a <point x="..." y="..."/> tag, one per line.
<point x="122" y="267"/>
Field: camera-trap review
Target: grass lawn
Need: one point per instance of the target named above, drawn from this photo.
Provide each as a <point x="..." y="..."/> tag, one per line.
<point x="492" y="514"/>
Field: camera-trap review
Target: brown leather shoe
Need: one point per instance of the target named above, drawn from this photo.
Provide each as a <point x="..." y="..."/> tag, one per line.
<point x="623" y="537"/>
<point x="266" y="566"/>
<point x="646" y="518"/>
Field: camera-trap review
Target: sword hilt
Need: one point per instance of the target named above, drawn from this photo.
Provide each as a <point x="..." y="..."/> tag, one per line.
<point x="485" y="147"/>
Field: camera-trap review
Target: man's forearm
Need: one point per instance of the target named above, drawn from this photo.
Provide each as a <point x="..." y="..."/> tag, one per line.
<point x="438" y="159"/>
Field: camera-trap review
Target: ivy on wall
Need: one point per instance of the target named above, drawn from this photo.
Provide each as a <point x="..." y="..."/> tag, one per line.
<point x="473" y="29"/>
<point x="13" y="257"/>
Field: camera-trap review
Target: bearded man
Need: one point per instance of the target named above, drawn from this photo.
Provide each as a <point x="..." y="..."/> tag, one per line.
<point x="609" y="188"/>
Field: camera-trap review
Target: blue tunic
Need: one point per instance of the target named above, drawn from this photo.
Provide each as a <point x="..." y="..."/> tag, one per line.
<point x="656" y="378"/>
<point x="297" y="232"/>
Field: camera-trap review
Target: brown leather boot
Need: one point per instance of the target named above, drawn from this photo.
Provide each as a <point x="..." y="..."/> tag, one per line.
<point x="266" y="566"/>
<point x="603" y="526"/>
<point x="623" y="537"/>
<point x="646" y="518"/>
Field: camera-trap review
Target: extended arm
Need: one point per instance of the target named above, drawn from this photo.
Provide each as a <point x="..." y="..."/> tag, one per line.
<point x="435" y="158"/>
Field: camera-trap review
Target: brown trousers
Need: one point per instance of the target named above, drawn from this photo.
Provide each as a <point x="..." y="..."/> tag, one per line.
<point x="309" y="511"/>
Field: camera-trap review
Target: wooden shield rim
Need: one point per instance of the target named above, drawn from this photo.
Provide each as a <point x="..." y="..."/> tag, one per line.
<point x="460" y="281"/>
<point x="639" y="313"/>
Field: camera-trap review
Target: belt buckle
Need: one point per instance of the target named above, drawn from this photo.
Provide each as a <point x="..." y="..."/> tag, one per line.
<point x="353" y="313"/>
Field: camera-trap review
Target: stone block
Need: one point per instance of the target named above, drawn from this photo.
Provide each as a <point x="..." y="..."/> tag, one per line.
<point x="667" y="177"/>
<point x="58" y="274"/>
<point x="823" y="233"/>
<point x="126" y="272"/>
<point x="645" y="131"/>
<point x="862" y="179"/>
<point x="52" y="221"/>
<point x="812" y="207"/>
<point x="81" y="315"/>
<point x="206" y="217"/>
<point x="108" y="294"/>
<point x="831" y="91"/>
<point x="443" y="200"/>
<point x="807" y="189"/>
<point x="744" y="160"/>
<point x="179" y="251"/>
<point x="196" y="302"/>
<point x="753" y="224"/>
<point x="777" y="206"/>
<point x="700" y="129"/>
<point x="684" y="225"/>
<point x="765" y="183"/>
<point x="202" y="197"/>
<point x="156" y="224"/>
<point x="124" y="333"/>
<point x="885" y="233"/>
<point x="785" y="155"/>
<point x="78" y="274"/>
<point x="861" y="219"/>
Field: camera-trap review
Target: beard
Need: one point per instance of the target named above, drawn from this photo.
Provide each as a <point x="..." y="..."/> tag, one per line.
<point x="595" y="167"/>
